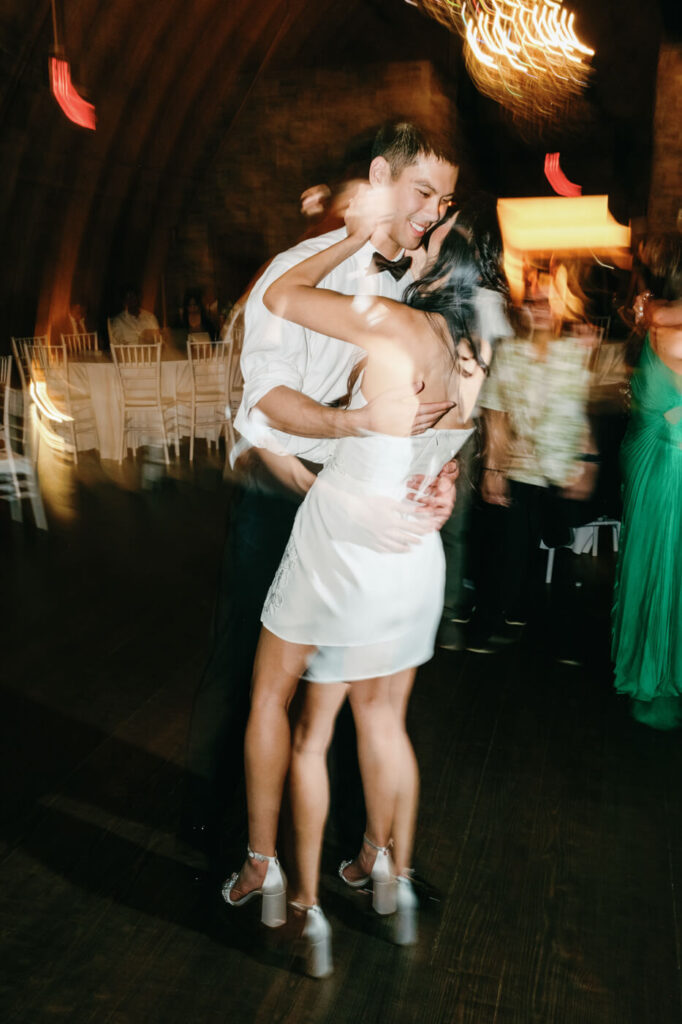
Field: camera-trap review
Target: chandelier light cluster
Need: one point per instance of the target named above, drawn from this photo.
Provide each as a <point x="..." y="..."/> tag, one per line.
<point x="525" y="54"/>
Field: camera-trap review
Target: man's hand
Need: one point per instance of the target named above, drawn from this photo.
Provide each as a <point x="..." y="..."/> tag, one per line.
<point x="436" y="497"/>
<point x="495" y="488"/>
<point x="398" y="411"/>
<point x="376" y="521"/>
<point x="581" y="489"/>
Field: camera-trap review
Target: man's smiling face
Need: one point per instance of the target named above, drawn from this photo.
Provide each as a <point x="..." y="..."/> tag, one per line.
<point x="419" y="195"/>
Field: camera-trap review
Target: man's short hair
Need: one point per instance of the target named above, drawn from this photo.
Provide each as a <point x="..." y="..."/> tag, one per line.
<point x="402" y="143"/>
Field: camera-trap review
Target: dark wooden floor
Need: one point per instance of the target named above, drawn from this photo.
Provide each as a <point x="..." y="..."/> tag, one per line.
<point x="550" y="822"/>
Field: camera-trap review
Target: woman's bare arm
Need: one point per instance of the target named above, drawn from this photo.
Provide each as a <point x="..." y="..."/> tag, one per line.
<point x="357" y="319"/>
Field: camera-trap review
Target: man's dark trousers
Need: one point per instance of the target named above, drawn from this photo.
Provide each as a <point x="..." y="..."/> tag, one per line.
<point x="259" y="530"/>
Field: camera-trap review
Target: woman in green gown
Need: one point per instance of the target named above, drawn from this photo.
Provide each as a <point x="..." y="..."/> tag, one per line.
<point x="647" y="611"/>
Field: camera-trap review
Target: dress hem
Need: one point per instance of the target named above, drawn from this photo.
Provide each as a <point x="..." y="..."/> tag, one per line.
<point x="399" y="637"/>
<point x="421" y="659"/>
<point x="374" y="675"/>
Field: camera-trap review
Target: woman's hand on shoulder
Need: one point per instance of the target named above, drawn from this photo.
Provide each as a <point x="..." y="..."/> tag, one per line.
<point x="369" y="207"/>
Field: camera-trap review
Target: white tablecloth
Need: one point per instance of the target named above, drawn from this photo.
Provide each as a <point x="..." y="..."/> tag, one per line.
<point x="100" y="380"/>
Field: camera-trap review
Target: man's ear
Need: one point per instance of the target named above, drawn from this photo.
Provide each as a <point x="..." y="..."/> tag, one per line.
<point x="379" y="171"/>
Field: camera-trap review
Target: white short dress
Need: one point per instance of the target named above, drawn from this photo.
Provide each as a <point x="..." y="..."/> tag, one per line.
<point x="369" y="612"/>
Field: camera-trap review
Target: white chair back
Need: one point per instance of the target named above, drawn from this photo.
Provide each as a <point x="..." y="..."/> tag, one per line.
<point x="49" y="364"/>
<point x="234" y="333"/>
<point x="5" y="374"/>
<point x="208" y="362"/>
<point x="20" y="347"/>
<point x="80" y="344"/>
<point x="209" y="366"/>
<point x="139" y="373"/>
<point x="18" y="478"/>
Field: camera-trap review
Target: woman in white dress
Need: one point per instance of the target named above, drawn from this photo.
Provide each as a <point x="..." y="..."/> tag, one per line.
<point x="352" y="608"/>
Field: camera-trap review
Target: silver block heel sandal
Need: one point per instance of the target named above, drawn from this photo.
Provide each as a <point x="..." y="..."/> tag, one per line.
<point x="405" y="920"/>
<point x="273" y="890"/>
<point x="384" y="887"/>
<point x="316" y="941"/>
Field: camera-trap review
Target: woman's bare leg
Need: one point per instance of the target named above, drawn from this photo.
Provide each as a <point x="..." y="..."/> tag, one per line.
<point x="407" y="798"/>
<point x="309" y="783"/>
<point x="267" y="747"/>
<point x="379" y="749"/>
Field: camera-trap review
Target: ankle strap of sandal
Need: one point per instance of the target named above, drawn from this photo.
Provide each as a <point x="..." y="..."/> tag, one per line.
<point x="261" y="857"/>
<point x="379" y="849"/>
<point x="297" y="905"/>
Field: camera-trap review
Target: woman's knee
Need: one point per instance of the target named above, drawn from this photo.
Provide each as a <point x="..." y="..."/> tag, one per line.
<point x="271" y="693"/>
<point x="312" y="734"/>
<point x="315" y="724"/>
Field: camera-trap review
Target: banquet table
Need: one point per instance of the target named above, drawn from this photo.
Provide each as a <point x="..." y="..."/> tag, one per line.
<point x="97" y="376"/>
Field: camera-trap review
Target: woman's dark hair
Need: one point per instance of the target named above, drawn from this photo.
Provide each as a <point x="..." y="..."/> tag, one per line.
<point x="477" y="215"/>
<point x="449" y="288"/>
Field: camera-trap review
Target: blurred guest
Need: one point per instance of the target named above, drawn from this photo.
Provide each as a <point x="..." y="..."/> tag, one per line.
<point x="76" y="321"/>
<point x="133" y="325"/>
<point x="539" y="462"/>
<point x="476" y="218"/>
<point x="211" y="307"/>
<point x="315" y="200"/>
<point x="662" y="282"/>
<point x="193" y="317"/>
<point x="326" y="209"/>
<point x="567" y="298"/>
<point x="647" y="611"/>
<point x="224" y="317"/>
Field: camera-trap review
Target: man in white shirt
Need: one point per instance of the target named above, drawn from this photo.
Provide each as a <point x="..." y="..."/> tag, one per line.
<point x="294" y="379"/>
<point x="129" y="327"/>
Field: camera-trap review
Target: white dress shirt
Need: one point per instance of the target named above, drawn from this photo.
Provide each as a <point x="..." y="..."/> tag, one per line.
<point x="126" y="329"/>
<point x="277" y="352"/>
<point x="491" y="316"/>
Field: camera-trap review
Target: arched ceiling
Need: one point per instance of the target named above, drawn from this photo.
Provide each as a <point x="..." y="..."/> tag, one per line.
<point x="169" y="80"/>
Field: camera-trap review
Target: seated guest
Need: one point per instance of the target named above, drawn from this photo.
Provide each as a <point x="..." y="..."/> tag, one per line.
<point x="76" y="321"/>
<point x="193" y="317"/>
<point x="133" y="325"/>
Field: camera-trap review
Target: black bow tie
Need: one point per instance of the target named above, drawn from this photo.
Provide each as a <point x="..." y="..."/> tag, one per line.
<point x="396" y="268"/>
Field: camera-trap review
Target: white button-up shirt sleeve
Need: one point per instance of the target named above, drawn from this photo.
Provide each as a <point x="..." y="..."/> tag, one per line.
<point x="274" y="351"/>
<point x="278" y="353"/>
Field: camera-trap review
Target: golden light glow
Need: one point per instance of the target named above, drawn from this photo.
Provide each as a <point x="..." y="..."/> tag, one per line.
<point x="546" y="226"/>
<point x="38" y="392"/>
<point x="523" y="53"/>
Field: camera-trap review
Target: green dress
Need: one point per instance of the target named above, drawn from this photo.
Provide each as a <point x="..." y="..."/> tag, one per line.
<point x="647" y="610"/>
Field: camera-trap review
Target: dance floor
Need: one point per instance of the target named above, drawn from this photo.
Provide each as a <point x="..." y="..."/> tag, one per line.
<point x="550" y="824"/>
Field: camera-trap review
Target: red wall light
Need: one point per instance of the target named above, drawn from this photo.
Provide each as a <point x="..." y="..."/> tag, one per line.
<point x="558" y="180"/>
<point x="74" y="106"/>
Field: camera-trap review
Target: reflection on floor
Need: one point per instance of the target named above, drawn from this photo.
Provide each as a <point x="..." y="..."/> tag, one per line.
<point x="550" y="823"/>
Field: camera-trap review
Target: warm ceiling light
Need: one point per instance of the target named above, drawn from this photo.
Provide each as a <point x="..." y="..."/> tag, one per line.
<point x="523" y="53"/>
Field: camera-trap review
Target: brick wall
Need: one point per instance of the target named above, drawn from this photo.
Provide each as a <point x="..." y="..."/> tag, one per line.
<point x="292" y="132"/>
<point x="665" y="199"/>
